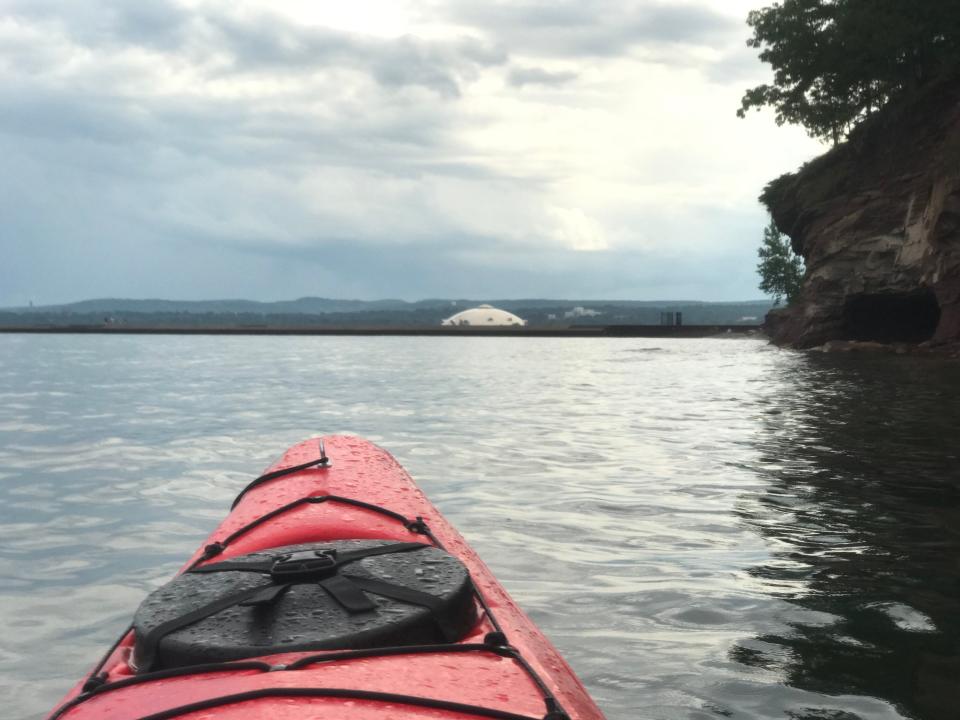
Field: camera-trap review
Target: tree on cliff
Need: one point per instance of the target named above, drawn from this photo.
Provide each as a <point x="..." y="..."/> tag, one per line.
<point x="836" y="62"/>
<point x="780" y="269"/>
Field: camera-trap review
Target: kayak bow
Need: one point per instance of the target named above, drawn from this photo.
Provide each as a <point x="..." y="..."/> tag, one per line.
<point x="333" y="589"/>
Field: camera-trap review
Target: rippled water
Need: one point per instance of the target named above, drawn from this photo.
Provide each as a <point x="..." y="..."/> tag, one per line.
<point x="706" y="528"/>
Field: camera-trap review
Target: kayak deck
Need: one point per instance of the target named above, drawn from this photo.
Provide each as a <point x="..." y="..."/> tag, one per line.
<point x="503" y="667"/>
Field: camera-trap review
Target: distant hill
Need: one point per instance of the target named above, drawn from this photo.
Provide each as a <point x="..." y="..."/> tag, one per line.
<point x="377" y="313"/>
<point x="308" y="305"/>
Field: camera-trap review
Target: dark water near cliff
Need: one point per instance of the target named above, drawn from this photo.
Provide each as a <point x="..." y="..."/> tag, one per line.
<point x="706" y="528"/>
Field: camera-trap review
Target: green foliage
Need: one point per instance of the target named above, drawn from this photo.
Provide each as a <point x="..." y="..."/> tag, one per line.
<point x="835" y="62"/>
<point x="780" y="269"/>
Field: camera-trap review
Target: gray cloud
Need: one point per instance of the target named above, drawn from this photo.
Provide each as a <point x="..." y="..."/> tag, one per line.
<point x="576" y="28"/>
<point x="74" y="266"/>
<point x="270" y="43"/>
<point x="156" y="24"/>
<point x="152" y="148"/>
<point x="520" y="76"/>
<point x="261" y="42"/>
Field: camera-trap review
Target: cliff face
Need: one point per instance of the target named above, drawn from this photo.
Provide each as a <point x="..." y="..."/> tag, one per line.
<point x="877" y="220"/>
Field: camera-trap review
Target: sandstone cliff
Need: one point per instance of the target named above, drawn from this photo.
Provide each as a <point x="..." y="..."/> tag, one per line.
<point x="877" y="220"/>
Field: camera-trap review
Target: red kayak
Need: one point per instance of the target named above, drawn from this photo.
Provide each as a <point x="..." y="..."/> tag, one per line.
<point x="333" y="590"/>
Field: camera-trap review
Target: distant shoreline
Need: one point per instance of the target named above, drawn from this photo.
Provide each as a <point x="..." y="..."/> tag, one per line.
<point x="651" y="331"/>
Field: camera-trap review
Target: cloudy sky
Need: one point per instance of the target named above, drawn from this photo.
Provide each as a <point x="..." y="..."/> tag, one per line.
<point x="197" y="149"/>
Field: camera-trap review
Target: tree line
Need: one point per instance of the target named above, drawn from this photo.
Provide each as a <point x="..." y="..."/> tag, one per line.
<point x="836" y="62"/>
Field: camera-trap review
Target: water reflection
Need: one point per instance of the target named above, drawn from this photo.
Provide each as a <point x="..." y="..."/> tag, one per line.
<point x="862" y="515"/>
<point x="620" y="488"/>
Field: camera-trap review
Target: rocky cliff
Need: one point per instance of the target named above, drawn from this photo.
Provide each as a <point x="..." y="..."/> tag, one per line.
<point x="877" y="220"/>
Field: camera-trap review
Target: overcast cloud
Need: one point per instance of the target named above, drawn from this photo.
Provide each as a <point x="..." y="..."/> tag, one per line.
<point x="206" y="148"/>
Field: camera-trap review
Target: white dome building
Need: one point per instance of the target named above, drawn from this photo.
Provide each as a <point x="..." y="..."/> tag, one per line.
<point x="484" y="316"/>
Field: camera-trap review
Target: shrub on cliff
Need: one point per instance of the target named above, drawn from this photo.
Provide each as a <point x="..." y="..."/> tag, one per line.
<point x="781" y="271"/>
<point x="836" y="62"/>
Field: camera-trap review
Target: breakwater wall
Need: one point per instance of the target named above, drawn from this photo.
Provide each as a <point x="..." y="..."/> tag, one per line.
<point x="652" y="331"/>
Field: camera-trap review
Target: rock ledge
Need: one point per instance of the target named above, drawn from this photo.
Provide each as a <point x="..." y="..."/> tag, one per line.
<point x="877" y="220"/>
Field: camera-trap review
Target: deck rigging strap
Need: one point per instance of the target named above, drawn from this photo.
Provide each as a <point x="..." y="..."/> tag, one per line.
<point x="339" y="558"/>
<point x="260" y="666"/>
<point x="151" y="641"/>
<point x="217" y="547"/>
<point x="345" y="693"/>
<point x="321" y="462"/>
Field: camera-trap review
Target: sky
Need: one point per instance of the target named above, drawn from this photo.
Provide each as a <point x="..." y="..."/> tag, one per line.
<point x="200" y="149"/>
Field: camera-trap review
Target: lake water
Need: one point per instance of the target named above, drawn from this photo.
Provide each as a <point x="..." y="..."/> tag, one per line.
<point x="706" y="528"/>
